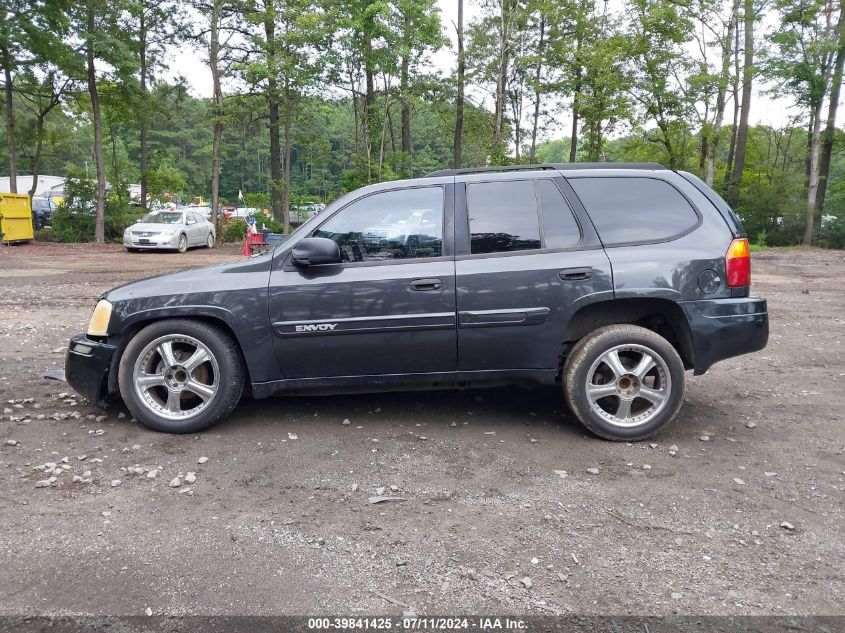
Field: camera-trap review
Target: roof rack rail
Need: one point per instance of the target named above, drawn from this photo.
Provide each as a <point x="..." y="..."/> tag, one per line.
<point x="542" y="166"/>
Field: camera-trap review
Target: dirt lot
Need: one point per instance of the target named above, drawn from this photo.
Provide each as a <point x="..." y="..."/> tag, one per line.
<point x="279" y="522"/>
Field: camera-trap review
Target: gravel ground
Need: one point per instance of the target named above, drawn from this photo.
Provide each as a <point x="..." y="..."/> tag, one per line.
<point x="737" y="509"/>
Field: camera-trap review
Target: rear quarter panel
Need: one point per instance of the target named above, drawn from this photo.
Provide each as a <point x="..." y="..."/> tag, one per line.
<point x="671" y="269"/>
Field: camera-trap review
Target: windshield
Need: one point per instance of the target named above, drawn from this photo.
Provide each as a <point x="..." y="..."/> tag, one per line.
<point x="163" y="217"/>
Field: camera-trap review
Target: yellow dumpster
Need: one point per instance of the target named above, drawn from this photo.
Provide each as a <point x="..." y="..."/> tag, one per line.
<point x="15" y="218"/>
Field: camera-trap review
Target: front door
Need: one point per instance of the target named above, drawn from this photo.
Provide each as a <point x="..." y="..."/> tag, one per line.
<point x="525" y="264"/>
<point x="389" y="308"/>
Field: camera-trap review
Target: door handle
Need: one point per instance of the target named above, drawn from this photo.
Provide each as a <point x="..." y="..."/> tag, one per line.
<point x="426" y="284"/>
<point x="574" y="274"/>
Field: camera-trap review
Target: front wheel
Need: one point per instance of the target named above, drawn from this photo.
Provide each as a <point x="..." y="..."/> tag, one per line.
<point x="209" y="242"/>
<point x="183" y="243"/>
<point x="181" y="376"/>
<point x="624" y="382"/>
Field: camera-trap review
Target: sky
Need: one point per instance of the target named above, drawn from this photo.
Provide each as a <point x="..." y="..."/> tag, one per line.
<point x="765" y="108"/>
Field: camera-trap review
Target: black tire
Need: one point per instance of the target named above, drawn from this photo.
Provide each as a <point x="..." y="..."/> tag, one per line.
<point x="183" y="243"/>
<point x="231" y="375"/>
<point x="209" y="242"/>
<point x="593" y="347"/>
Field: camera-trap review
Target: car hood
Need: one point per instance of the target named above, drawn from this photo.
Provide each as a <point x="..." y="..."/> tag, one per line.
<point x="207" y="279"/>
<point x="154" y="227"/>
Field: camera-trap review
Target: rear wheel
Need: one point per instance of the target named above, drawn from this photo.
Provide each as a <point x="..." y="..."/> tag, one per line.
<point x="624" y="382"/>
<point x="181" y="376"/>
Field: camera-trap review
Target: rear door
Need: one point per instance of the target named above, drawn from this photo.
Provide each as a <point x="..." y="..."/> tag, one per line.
<point x="389" y="308"/>
<point x="525" y="263"/>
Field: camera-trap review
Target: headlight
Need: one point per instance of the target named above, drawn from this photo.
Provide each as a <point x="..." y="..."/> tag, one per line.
<point x="169" y="233"/>
<point x="99" y="323"/>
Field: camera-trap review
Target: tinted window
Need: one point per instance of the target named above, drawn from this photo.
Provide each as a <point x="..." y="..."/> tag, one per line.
<point x="392" y="225"/>
<point x="634" y="209"/>
<point x="502" y="216"/>
<point x="560" y="230"/>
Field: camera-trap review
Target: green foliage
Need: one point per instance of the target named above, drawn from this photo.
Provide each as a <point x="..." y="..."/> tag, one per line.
<point x="234" y="230"/>
<point x="257" y="200"/>
<point x="74" y="220"/>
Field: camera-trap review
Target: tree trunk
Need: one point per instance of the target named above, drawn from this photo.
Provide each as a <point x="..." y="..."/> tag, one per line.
<point x="36" y="157"/>
<point x="142" y="114"/>
<point x="732" y="145"/>
<point x="274" y="107"/>
<point x="370" y="131"/>
<point x="99" y="226"/>
<point x="727" y="52"/>
<point x="537" y="92"/>
<point x="288" y="123"/>
<point x="502" y="74"/>
<point x="814" y="151"/>
<point x="405" y="101"/>
<point x="742" y="131"/>
<point x="459" y="100"/>
<point x="217" y="105"/>
<point x="573" y="139"/>
<point x="830" y="127"/>
<point x="10" y="119"/>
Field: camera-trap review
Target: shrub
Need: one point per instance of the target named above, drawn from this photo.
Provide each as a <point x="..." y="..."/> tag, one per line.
<point x="75" y="219"/>
<point x="234" y="230"/>
<point x="72" y="226"/>
<point x="45" y="234"/>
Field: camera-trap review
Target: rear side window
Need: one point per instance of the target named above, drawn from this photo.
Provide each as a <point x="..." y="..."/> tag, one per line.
<point x="560" y="230"/>
<point x="502" y="216"/>
<point x="626" y="210"/>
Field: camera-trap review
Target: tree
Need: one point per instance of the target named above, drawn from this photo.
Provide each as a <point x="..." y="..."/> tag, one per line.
<point x="718" y="26"/>
<point x="101" y="35"/>
<point x="459" y="99"/>
<point x="283" y="62"/>
<point x="658" y="30"/>
<point x="155" y="24"/>
<point x="42" y="96"/>
<point x="218" y="26"/>
<point x="493" y="38"/>
<point x="829" y="133"/>
<point x="732" y="192"/>
<point x="806" y="46"/>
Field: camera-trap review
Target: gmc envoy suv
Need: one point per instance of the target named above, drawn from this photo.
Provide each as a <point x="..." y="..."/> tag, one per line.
<point x="608" y="280"/>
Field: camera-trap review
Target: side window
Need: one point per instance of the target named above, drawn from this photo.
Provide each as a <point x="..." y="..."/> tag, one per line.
<point x="190" y="219"/>
<point x="560" y="229"/>
<point x="627" y="210"/>
<point x="502" y="216"/>
<point x="401" y="224"/>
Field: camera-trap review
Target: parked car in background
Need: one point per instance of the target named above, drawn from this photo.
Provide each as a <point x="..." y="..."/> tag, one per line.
<point x="204" y="211"/>
<point x="606" y="281"/>
<point x="239" y="212"/>
<point x="169" y="230"/>
<point x="42" y="212"/>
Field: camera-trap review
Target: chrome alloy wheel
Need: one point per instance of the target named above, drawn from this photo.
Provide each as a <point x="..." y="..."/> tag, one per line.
<point x="628" y="385"/>
<point x="176" y="376"/>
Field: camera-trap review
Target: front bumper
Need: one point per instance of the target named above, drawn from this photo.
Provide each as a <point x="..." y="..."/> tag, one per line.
<point x="724" y="328"/>
<point x="152" y="242"/>
<point x="87" y="366"/>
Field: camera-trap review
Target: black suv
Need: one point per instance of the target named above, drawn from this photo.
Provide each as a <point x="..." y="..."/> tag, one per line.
<point x="608" y="280"/>
<point x="42" y="212"/>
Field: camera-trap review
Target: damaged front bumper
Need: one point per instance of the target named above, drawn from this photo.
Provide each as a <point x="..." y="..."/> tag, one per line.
<point x="87" y="367"/>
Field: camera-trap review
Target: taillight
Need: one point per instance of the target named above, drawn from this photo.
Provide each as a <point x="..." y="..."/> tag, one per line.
<point x="738" y="263"/>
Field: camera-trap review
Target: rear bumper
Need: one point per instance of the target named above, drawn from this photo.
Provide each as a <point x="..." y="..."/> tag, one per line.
<point x="87" y="366"/>
<point x="723" y="328"/>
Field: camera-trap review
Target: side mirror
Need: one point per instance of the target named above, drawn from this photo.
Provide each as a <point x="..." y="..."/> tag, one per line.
<point x="316" y="251"/>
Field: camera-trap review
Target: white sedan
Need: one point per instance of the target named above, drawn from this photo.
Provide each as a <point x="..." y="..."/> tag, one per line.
<point x="169" y="230"/>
